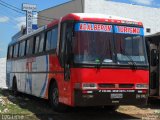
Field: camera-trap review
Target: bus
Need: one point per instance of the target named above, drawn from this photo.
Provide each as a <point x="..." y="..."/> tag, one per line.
<point x="153" y="46"/>
<point x="82" y="59"/>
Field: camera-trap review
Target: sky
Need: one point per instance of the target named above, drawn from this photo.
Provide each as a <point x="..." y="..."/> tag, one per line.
<point x="11" y="21"/>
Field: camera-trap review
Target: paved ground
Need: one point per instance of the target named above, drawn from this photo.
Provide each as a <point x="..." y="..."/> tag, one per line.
<point x="2" y="72"/>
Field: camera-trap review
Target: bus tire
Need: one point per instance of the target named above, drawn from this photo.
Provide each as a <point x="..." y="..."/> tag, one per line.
<point x="14" y="87"/>
<point x="54" y="98"/>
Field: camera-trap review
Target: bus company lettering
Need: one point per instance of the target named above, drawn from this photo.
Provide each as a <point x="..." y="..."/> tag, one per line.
<point x="95" y="27"/>
<point x="132" y="30"/>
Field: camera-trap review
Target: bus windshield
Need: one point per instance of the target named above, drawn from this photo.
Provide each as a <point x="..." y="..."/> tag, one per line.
<point x="130" y="47"/>
<point x="97" y="43"/>
<point x="92" y="46"/>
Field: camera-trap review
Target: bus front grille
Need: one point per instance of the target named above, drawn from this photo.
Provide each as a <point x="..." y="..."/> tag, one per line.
<point x="104" y="85"/>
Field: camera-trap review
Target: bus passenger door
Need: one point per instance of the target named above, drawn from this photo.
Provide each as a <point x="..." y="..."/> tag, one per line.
<point x="64" y="55"/>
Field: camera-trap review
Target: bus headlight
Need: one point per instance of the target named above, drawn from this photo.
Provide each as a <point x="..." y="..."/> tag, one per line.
<point x="141" y="86"/>
<point x="86" y="86"/>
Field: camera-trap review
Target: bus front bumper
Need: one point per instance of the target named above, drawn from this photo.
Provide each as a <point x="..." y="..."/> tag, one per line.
<point x="110" y="97"/>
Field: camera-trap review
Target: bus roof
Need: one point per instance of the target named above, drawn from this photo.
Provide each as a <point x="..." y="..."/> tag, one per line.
<point x="94" y="17"/>
<point x="28" y="35"/>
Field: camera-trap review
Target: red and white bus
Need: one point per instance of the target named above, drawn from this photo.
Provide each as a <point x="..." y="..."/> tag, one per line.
<point x="82" y="59"/>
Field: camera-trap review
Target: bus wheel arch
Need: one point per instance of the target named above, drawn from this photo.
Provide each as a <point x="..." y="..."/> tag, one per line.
<point x="14" y="86"/>
<point x="53" y="97"/>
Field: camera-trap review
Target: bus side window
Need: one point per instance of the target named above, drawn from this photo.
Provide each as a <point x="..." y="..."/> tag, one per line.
<point x="54" y="38"/>
<point x="62" y="43"/>
<point x="48" y="41"/>
<point x="31" y="42"/>
<point x="29" y="49"/>
<point x="36" y="44"/>
<point x="17" y="47"/>
<point x="15" y="50"/>
<point x="10" y="52"/>
<point x="22" y="49"/>
<point x="41" y="44"/>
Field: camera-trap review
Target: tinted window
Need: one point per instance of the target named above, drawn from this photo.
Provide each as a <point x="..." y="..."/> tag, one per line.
<point x="130" y="48"/>
<point x="31" y="46"/>
<point x="10" y="52"/>
<point x="37" y="44"/>
<point x="62" y="42"/>
<point x="48" y="41"/>
<point x="29" y="49"/>
<point x="41" y="46"/>
<point x="22" y="49"/>
<point x="91" y="46"/>
<point x="15" y="50"/>
<point x="54" y="38"/>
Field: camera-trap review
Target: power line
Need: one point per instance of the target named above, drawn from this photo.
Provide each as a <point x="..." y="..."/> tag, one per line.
<point x="20" y="11"/>
<point x="10" y="5"/>
<point x="13" y="21"/>
<point x="10" y="8"/>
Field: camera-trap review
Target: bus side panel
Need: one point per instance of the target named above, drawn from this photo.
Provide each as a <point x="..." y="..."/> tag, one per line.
<point x="57" y="73"/>
<point x="34" y="74"/>
<point x="37" y="76"/>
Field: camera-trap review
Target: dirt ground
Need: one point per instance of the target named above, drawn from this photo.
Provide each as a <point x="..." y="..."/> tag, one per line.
<point x="38" y="109"/>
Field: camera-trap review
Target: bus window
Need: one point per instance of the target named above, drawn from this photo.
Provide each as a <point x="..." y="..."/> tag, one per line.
<point x="22" y="49"/>
<point x="36" y="44"/>
<point x="31" y="46"/>
<point x="19" y="53"/>
<point x="10" y="51"/>
<point x="41" y="46"/>
<point x="62" y="42"/>
<point x="29" y="49"/>
<point x="48" y="41"/>
<point x="15" y="50"/>
<point x="54" y="38"/>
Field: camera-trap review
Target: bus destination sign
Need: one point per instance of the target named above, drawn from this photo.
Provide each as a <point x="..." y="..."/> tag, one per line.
<point x="93" y="27"/>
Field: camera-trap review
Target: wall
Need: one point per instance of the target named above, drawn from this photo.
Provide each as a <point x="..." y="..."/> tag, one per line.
<point x="149" y="16"/>
<point x="61" y="10"/>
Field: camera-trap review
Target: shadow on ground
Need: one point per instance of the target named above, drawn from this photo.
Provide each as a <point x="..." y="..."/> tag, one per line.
<point x="154" y="103"/>
<point x="41" y="110"/>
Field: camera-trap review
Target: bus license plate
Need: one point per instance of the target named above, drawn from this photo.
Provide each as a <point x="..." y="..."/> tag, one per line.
<point x="116" y="95"/>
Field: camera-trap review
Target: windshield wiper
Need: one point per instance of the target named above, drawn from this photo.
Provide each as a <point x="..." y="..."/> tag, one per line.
<point x="133" y="64"/>
<point x="99" y="62"/>
<point x="102" y="58"/>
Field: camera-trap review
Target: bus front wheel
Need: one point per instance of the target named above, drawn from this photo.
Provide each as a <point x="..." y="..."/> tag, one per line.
<point x="54" y="98"/>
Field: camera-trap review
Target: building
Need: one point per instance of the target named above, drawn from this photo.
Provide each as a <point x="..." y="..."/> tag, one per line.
<point x="149" y="16"/>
